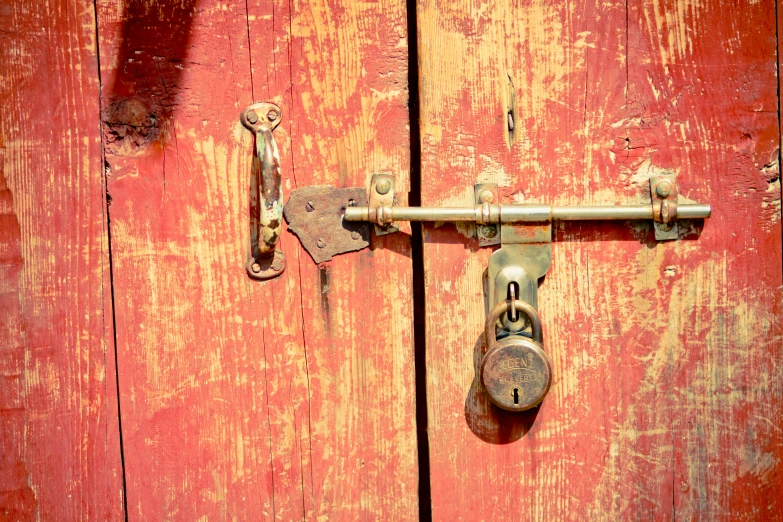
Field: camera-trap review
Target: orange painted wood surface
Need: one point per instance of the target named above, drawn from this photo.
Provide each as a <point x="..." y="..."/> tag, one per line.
<point x="666" y="400"/>
<point x="59" y="438"/>
<point x="287" y="399"/>
<point x="124" y="178"/>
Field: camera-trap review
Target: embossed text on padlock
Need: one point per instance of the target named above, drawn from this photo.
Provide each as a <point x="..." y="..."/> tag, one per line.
<point x="515" y="371"/>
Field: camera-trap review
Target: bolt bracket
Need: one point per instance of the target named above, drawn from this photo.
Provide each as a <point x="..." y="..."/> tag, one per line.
<point x="664" y="194"/>
<point x="381" y="198"/>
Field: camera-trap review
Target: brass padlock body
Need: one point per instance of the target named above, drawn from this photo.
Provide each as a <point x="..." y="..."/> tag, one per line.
<point x="516" y="372"/>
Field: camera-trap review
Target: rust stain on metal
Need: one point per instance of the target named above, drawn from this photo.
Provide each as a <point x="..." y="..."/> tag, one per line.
<point x="315" y="215"/>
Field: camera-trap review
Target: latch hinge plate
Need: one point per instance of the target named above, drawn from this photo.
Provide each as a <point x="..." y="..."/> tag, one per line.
<point x="315" y="215"/>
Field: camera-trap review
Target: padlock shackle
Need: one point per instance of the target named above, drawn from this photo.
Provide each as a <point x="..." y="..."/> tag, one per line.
<point x="505" y="306"/>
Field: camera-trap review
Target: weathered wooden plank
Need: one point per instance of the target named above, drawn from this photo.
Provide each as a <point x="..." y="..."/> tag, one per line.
<point x="190" y="352"/>
<point x="666" y="356"/>
<point x="242" y="399"/>
<point x="60" y="457"/>
<point x="727" y="406"/>
<point x="339" y="69"/>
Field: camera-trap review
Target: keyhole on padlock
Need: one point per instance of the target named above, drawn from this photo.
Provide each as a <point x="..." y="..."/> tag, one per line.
<point x="516" y="395"/>
<point x="512" y="295"/>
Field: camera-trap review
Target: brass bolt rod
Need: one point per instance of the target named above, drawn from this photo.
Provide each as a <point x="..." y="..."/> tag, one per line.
<point x="521" y="213"/>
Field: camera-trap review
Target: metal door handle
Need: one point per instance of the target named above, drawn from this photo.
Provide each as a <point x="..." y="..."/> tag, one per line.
<point x="266" y="196"/>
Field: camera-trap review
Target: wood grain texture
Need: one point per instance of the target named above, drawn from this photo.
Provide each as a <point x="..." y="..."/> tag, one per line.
<point x="59" y="438"/>
<point x="666" y="400"/>
<point x="288" y="399"/>
<point x="340" y="71"/>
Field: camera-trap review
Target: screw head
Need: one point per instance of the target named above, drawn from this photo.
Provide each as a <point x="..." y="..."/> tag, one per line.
<point x="486" y="196"/>
<point x="272" y="115"/>
<point x="251" y="116"/>
<point x="488" y="231"/>
<point x="277" y="265"/>
<point x="663" y="188"/>
<point x="309" y="206"/>
<point x="383" y="186"/>
<point x="255" y="267"/>
<point x="321" y="243"/>
<point x="355" y="235"/>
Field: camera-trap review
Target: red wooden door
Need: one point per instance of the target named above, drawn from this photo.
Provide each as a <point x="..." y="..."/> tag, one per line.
<point x="125" y="194"/>
<point x="240" y="399"/>
<point x="666" y="399"/>
<point x="144" y="376"/>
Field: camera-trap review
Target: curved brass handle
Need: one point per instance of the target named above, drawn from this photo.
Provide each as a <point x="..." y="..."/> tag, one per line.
<point x="266" y="192"/>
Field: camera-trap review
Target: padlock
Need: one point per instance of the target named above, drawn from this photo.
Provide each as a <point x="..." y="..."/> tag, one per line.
<point x="515" y="371"/>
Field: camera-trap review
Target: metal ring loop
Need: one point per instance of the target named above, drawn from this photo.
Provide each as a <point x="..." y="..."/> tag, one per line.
<point x="505" y="306"/>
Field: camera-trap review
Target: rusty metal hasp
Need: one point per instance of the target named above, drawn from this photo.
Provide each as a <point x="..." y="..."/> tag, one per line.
<point x="315" y="215"/>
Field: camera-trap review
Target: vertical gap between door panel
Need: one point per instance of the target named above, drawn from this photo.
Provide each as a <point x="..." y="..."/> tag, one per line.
<point x="417" y="258"/>
<point x="104" y="170"/>
<point x="777" y="77"/>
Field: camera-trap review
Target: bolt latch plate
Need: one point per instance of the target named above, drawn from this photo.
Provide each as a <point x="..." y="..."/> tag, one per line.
<point x="315" y="215"/>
